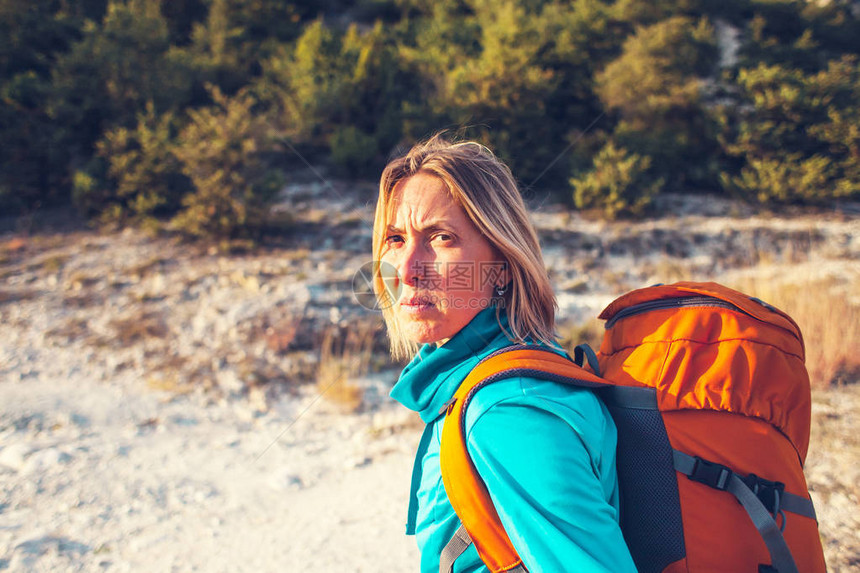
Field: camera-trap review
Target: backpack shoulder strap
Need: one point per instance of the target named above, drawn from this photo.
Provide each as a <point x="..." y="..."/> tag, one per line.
<point x="463" y="485"/>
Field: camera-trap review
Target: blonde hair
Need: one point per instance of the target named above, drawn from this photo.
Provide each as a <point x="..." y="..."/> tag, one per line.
<point x="484" y="187"/>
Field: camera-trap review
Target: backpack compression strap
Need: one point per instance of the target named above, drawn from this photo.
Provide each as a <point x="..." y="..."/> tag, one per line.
<point x="465" y="488"/>
<point x="723" y="478"/>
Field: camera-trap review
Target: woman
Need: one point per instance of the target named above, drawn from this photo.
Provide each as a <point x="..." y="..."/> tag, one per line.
<point x="466" y="278"/>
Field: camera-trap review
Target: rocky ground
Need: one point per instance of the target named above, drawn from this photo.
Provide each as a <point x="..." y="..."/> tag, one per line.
<point x="163" y="408"/>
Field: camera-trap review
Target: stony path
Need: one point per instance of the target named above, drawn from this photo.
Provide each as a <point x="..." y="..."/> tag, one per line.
<point x="101" y="477"/>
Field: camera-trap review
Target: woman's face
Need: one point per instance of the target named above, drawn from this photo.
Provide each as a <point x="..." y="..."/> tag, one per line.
<point x="446" y="269"/>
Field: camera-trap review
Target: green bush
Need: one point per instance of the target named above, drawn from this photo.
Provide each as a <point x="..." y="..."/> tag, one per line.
<point x="801" y="35"/>
<point x="353" y="150"/>
<point x="32" y="155"/>
<point x="517" y="75"/>
<point x="236" y="35"/>
<point x="117" y="68"/>
<point x="89" y="192"/>
<point x="223" y="152"/>
<point x="618" y="184"/>
<point x="795" y="136"/>
<point x="544" y="83"/>
<point x="138" y="175"/>
<point x="341" y="92"/>
<point x="304" y="84"/>
<point x="786" y="179"/>
<point x="654" y="89"/>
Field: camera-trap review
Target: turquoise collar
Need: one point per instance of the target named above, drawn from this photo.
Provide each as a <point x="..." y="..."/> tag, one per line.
<point x="435" y="373"/>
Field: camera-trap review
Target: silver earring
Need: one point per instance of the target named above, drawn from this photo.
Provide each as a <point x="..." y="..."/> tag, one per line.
<point x="500" y="290"/>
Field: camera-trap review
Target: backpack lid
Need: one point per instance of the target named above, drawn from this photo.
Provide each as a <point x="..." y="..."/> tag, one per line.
<point x="766" y="380"/>
<point x="754" y="307"/>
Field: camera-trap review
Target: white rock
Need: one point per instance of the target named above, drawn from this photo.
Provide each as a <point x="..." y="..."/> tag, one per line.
<point x="14" y="456"/>
<point x="357" y="462"/>
<point x="286" y="480"/>
<point x="159" y="283"/>
<point x="44" y="460"/>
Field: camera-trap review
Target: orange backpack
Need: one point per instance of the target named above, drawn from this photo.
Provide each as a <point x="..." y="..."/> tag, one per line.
<point x="710" y="395"/>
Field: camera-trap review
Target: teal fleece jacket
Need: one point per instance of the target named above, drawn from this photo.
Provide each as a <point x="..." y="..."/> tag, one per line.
<point x="545" y="450"/>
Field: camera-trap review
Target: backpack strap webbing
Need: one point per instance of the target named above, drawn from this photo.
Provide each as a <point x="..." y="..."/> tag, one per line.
<point x="454" y="548"/>
<point x="722" y="478"/>
<point x="457" y="546"/>
<point x="465" y="489"/>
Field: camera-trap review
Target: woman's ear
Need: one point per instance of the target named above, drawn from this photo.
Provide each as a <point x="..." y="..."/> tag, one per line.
<point x="506" y="270"/>
<point x="503" y="279"/>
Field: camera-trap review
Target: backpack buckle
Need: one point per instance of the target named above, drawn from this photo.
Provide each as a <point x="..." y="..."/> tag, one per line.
<point x="768" y="492"/>
<point x="711" y="474"/>
<point x="448" y="406"/>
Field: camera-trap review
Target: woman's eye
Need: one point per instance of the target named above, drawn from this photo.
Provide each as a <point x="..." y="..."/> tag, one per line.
<point x="393" y="239"/>
<point x="444" y="237"/>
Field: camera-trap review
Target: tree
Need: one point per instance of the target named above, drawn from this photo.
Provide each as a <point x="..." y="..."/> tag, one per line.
<point x="304" y="84"/>
<point x="519" y="74"/>
<point x="618" y="185"/>
<point x="114" y="71"/>
<point x="794" y="136"/>
<point x="340" y="93"/>
<point x="139" y="177"/>
<point x="655" y="88"/>
<point x="181" y="16"/>
<point x="798" y="34"/>
<point x="237" y="35"/>
<point x="223" y="151"/>
<point x="32" y="159"/>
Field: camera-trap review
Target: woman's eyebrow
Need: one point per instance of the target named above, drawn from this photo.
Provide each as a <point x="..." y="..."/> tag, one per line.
<point x="435" y="225"/>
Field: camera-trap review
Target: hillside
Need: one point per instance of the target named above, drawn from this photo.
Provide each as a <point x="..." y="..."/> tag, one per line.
<point x="163" y="407"/>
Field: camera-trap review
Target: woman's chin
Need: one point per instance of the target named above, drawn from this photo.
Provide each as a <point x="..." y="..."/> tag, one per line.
<point x="423" y="331"/>
<point x="422" y="334"/>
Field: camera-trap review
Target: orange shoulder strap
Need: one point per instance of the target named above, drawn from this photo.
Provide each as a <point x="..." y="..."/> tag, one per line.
<point x="465" y="489"/>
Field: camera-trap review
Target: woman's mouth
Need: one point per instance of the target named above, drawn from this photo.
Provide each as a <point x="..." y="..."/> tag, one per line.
<point x="417" y="304"/>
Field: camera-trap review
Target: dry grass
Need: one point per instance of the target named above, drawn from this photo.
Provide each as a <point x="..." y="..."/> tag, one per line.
<point x="50" y="263"/>
<point x="139" y="327"/>
<point x="141" y="270"/>
<point x="281" y="329"/>
<point x="667" y="270"/>
<point x="10" y="296"/>
<point x="71" y="329"/>
<point x="833" y="474"/>
<point x="54" y="263"/>
<point x="258" y="372"/>
<point x="280" y="336"/>
<point x="343" y="358"/>
<point x="81" y="281"/>
<point x="169" y="363"/>
<point x="81" y="301"/>
<point x="177" y="374"/>
<point x="828" y="314"/>
<point x="12" y="250"/>
<point x="294" y="255"/>
<point x="171" y="383"/>
<point x="589" y="332"/>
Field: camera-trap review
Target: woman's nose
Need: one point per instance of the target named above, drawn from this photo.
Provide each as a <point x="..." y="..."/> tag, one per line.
<point x="412" y="263"/>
